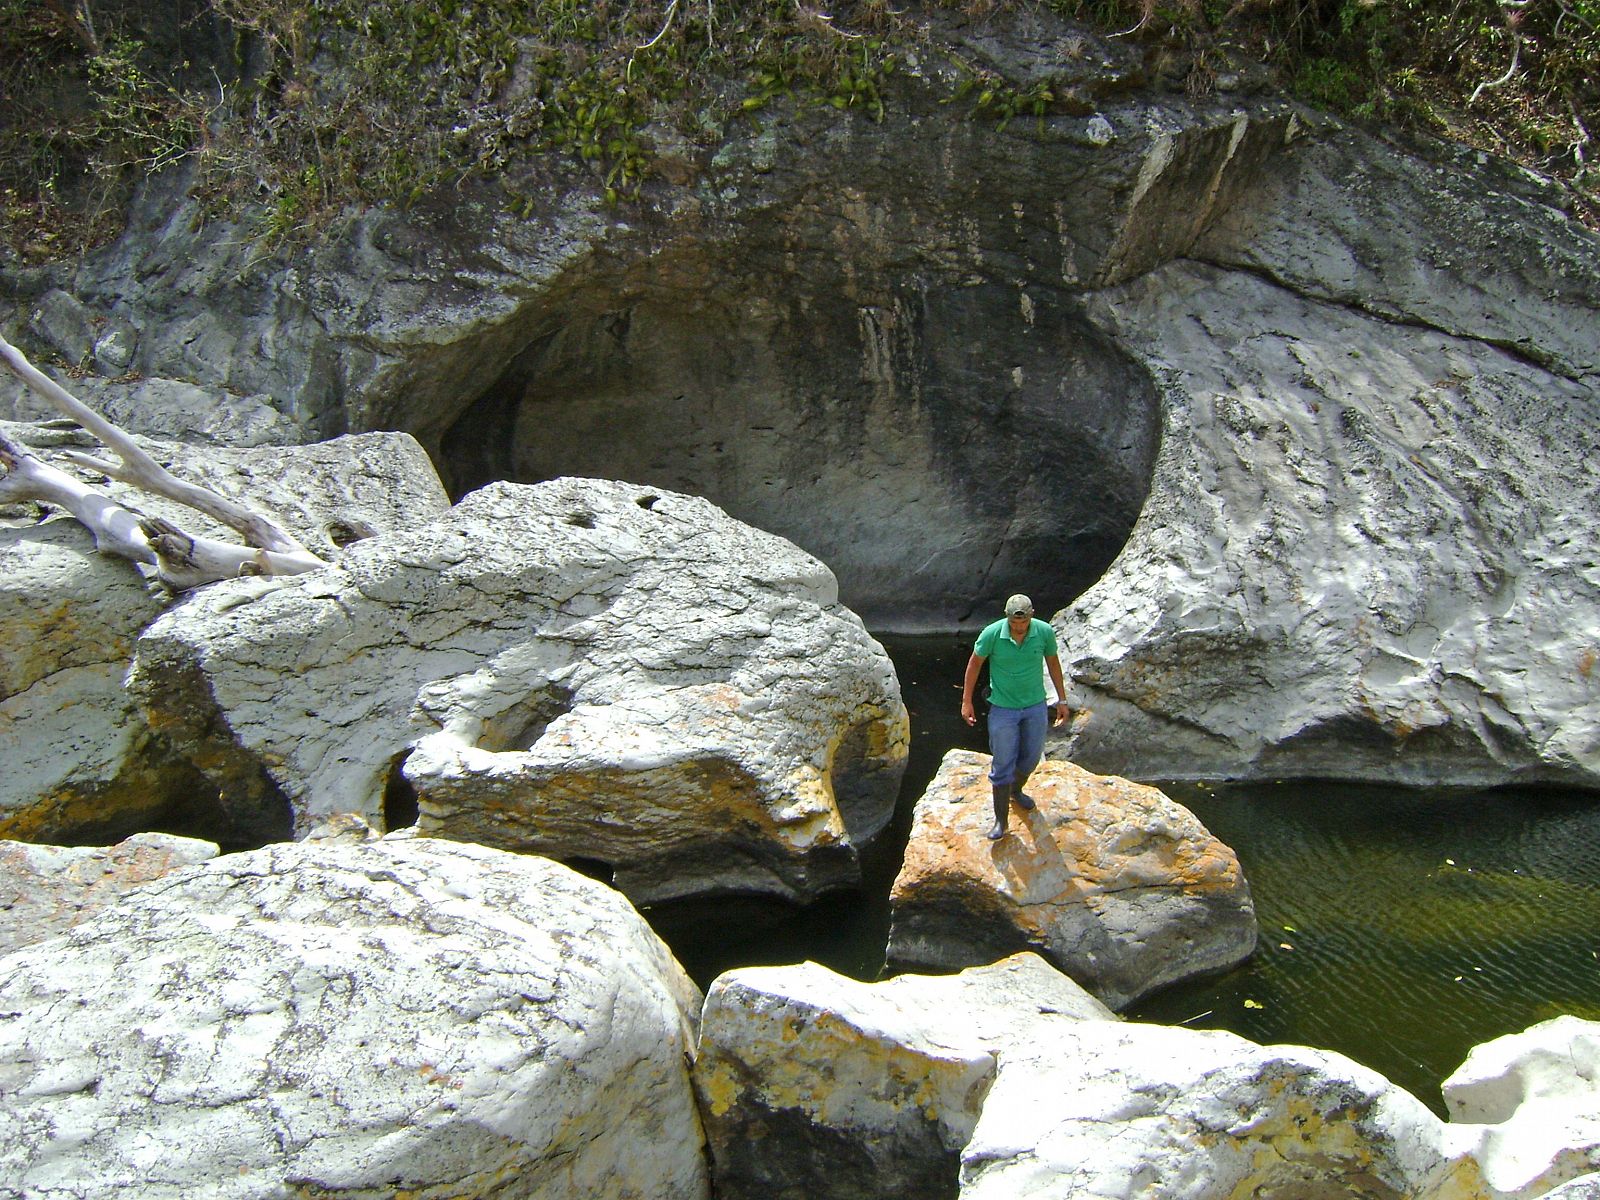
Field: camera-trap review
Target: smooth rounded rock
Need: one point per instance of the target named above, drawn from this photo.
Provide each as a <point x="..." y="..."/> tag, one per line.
<point x="1113" y="882"/>
<point x="338" y="1019"/>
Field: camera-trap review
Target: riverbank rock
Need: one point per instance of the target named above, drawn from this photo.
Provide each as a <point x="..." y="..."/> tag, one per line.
<point x="46" y="890"/>
<point x="1358" y="558"/>
<point x="1205" y="1115"/>
<point x="81" y="763"/>
<point x="812" y="1084"/>
<point x="581" y="668"/>
<point x="1300" y="414"/>
<point x="1537" y="1096"/>
<point x="1113" y="882"/>
<point x="1004" y="1082"/>
<point x="352" y="1020"/>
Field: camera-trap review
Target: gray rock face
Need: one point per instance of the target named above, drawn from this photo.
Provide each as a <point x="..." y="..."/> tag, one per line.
<point x="352" y="1021"/>
<point x="1359" y="559"/>
<point x="584" y="669"/>
<point x="955" y="360"/>
<point x="168" y="409"/>
<point x="80" y="761"/>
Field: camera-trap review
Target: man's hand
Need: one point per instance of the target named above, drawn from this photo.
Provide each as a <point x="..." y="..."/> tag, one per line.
<point x="967" y="713"/>
<point x="1059" y="712"/>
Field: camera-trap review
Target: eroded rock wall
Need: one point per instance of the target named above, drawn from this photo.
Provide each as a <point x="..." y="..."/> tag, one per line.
<point x="1312" y="406"/>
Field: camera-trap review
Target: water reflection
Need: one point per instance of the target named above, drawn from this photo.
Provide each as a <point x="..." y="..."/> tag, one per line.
<point x="1403" y="927"/>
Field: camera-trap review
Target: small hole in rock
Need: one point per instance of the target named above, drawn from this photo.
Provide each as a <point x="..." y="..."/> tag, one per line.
<point x="343" y="533"/>
<point x="583" y="520"/>
<point x="648" y="501"/>
<point x="523" y="724"/>
<point x="399" y="798"/>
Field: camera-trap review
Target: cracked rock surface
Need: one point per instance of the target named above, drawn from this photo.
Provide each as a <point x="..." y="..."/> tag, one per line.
<point x="580" y="668"/>
<point x="1113" y="882"/>
<point x="1362" y="558"/>
<point x="812" y="1084"/>
<point x="46" y="890"/>
<point x="339" y="1019"/>
<point x="80" y="761"/>
<point x="1001" y="1082"/>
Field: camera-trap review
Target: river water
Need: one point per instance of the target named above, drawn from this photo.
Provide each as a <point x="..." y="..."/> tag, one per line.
<point x="1399" y="927"/>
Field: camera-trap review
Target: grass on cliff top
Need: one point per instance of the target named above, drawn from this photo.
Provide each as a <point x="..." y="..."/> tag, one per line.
<point x="296" y="110"/>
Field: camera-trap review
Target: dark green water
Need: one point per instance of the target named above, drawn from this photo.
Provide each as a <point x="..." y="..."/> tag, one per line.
<point x="1399" y="927"/>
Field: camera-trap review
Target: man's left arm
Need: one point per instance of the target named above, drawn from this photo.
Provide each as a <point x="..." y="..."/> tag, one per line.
<point x="1060" y="710"/>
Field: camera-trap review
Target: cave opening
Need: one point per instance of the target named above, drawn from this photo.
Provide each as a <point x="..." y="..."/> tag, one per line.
<point x="939" y="448"/>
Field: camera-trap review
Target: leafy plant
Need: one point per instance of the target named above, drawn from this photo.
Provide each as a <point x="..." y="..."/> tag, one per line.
<point x="327" y="104"/>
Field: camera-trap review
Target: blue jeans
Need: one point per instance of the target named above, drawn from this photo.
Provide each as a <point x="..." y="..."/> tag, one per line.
<point x="1016" y="740"/>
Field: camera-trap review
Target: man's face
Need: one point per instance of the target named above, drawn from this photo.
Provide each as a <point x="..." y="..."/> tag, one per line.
<point x="1019" y="623"/>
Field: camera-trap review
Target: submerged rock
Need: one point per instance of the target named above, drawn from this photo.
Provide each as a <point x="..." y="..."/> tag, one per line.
<point x="1113" y="882"/>
<point x="352" y="1020"/>
<point x="583" y="669"/>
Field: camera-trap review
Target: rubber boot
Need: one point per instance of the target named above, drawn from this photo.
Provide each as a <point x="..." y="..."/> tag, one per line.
<point x="1002" y="802"/>
<point x="1025" y="803"/>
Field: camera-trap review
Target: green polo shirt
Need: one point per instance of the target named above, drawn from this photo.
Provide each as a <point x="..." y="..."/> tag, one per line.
<point x="1016" y="673"/>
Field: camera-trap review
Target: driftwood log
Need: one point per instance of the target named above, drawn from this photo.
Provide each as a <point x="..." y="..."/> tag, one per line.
<point x="180" y="560"/>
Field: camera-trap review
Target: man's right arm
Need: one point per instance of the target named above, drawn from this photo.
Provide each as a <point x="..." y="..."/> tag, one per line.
<point x="968" y="684"/>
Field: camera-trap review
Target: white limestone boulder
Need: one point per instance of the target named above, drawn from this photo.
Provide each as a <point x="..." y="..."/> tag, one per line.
<point x="346" y="1019"/>
<point x="46" y="890"/>
<point x="1119" y="1110"/>
<point x="69" y="736"/>
<point x="580" y="668"/>
<point x="1009" y="1081"/>
<point x="812" y="1084"/>
<point x="1536" y="1095"/>
<point x="81" y="762"/>
<point x="1364" y="553"/>
<point x="1113" y="882"/>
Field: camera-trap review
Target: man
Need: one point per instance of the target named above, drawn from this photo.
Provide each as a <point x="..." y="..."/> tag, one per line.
<point x="1014" y="648"/>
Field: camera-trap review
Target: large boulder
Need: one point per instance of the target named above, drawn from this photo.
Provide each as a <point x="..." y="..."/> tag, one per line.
<point x="1113" y="882"/>
<point x="584" y="669"/>
<point x="1002" y="1083"/>
<point x="1536" y="1095"/>
<point x="1113" y="1109"/>
<point x="347" y="1019"/>
<point x="1359" y="557"/>
<point x="46" y="890"/>
<point x="815" y="1085"/>
<point x="81" y="762"/>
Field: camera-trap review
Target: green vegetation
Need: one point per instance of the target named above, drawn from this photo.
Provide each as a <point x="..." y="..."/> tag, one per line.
<point x="321" y="105"/>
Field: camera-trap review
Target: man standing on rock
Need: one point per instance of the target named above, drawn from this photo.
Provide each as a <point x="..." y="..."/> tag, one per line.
<point x="1015" y="647"/>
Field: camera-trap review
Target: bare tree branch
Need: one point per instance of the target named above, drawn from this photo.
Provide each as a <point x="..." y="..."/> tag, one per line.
<point x="140" y="470"/>
<point x="1516" y="56"/>
<point x="181" y="560"/>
